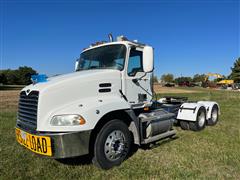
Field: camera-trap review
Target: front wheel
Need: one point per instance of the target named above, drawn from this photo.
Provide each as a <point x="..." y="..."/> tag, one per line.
<point x="112" y="144"/>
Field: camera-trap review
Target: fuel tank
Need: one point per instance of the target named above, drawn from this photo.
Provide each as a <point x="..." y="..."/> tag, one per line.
<point x="156" y="122"/>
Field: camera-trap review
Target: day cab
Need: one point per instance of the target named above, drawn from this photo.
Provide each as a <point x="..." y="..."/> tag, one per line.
<point x="104" y="107"/>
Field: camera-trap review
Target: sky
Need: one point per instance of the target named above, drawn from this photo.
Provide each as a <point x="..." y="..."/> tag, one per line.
<point x="188" y="36"/>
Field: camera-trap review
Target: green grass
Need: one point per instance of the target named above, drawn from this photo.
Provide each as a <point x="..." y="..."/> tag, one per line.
<point x="213" y="153"/>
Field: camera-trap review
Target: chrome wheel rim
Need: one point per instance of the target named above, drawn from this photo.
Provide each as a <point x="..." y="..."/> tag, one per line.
<point x="114" y="145"/>
<point x="214" y="115"/>
<point x="201" y="119"/>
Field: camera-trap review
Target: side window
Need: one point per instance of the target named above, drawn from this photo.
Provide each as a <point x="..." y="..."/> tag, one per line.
<point x="135" y="62"/>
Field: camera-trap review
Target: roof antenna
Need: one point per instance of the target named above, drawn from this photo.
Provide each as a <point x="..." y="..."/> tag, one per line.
<point x="110" y="37"/>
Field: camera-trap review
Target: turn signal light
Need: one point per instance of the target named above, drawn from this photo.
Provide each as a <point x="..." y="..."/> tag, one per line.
<point x="146" y="109"/>
<point x="82" y="121"/>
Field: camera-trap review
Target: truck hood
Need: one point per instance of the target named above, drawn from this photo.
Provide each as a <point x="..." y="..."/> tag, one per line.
<point x="82" y="92"/>
<point x="70" y="94"/>
<point x="75" y="77"/>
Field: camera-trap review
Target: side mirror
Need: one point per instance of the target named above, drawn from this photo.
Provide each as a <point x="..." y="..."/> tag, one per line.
<point x="147" y="59"/>
<point x="76" y="65"/>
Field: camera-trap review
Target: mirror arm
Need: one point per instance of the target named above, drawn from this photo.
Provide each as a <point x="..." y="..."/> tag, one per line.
<point x="138" y="79"/>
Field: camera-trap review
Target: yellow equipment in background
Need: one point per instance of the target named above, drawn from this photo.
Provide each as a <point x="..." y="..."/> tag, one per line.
<point x="221" y="82"/>
<point x="213" y="75"/>
<point x="226" y="81"/>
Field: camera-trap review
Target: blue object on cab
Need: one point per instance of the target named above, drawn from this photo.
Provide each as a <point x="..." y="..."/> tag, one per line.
<point x="39" y="78"/>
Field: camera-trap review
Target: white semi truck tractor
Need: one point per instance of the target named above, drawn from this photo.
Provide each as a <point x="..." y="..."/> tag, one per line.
<point x="104" y="107"/>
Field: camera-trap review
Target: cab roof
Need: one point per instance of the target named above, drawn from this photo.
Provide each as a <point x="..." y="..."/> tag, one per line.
<point x="126" y="43"/>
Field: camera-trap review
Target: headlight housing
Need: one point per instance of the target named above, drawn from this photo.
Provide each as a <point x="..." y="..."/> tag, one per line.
<point x="67" y="120"/>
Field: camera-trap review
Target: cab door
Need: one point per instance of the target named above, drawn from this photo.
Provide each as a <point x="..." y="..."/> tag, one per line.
<point x="138" y="85"/>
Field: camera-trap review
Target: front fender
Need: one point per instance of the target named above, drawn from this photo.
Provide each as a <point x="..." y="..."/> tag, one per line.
<point x="91" y="109"/>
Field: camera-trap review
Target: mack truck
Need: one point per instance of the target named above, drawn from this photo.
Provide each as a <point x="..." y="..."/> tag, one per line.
<point x="105" y="107"/>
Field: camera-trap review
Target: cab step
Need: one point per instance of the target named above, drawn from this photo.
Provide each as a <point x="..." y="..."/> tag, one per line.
<point x="159" y="137"/>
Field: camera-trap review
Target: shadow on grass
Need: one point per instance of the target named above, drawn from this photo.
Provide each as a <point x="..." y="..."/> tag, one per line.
<point x="76" y="161"/>
<point x="87" y="159"/>
<point x="159" y="143"/>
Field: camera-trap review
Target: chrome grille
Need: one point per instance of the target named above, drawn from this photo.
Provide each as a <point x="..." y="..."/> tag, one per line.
<point x="27" y="110"/>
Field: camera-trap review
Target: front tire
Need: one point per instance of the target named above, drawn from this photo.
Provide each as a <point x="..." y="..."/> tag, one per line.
<point x="200" y="122"/>
<point x="112" y="144"/>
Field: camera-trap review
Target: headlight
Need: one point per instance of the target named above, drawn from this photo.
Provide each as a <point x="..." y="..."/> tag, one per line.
<point x="67" y="120"/>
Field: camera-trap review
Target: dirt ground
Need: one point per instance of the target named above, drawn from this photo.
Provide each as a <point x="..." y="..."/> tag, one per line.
<point x="160" y="89"/>
<point x="9" y="100"/>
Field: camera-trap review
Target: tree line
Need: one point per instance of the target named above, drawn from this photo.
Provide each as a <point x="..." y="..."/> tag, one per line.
<point x="20" y="76"/>
<point x="169" y="78"/>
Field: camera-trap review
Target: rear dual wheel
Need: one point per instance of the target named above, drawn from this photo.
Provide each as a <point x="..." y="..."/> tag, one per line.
<point x="214" y="116"/>
<point x="184" y="125"/>
<point x="200" y="122"/>
<point x="197" y="125"/>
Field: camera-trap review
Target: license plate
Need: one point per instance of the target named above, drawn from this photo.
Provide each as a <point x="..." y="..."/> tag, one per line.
<point x="37" y="144"/>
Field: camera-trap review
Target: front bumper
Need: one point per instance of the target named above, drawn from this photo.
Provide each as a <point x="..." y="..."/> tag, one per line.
<point x="67" y="144"/>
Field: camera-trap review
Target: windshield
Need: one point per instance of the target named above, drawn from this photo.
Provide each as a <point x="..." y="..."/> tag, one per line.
<point x="105" y="57"/>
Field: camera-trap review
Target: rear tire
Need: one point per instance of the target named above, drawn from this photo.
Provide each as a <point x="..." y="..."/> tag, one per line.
<point x="184" y="125"/>
<point x="200" y="122"/>
<point x="214" y="116"/>
<point x="112" y="144"/>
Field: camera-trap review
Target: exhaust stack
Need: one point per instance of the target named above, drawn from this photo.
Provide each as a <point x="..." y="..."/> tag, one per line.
<point x="110" y="37"/>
